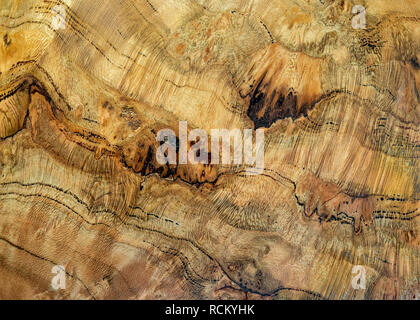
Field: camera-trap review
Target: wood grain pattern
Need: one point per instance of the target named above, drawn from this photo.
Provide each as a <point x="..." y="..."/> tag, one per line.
<point x="80" y="185"/>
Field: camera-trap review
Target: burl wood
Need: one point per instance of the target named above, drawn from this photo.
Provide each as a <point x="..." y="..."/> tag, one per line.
<point x="80" y="107"/>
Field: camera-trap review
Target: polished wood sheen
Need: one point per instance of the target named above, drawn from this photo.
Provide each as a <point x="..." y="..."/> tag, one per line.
<point x="85" y="86"/>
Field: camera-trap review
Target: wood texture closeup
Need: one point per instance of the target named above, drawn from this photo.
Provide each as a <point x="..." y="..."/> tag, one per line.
<point x="80" y="186"/>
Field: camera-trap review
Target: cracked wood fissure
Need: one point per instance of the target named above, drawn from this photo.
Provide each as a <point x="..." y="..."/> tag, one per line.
<point x="81" y="187"/>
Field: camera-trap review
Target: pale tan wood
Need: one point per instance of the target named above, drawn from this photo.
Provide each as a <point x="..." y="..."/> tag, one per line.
<point x="80" y="185"/>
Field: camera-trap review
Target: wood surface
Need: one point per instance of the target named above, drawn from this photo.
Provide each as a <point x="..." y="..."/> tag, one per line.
<point x="80" y="186"/>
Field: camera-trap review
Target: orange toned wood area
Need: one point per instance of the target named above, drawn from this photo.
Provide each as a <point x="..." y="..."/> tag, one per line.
<point x="86" y="85"/>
